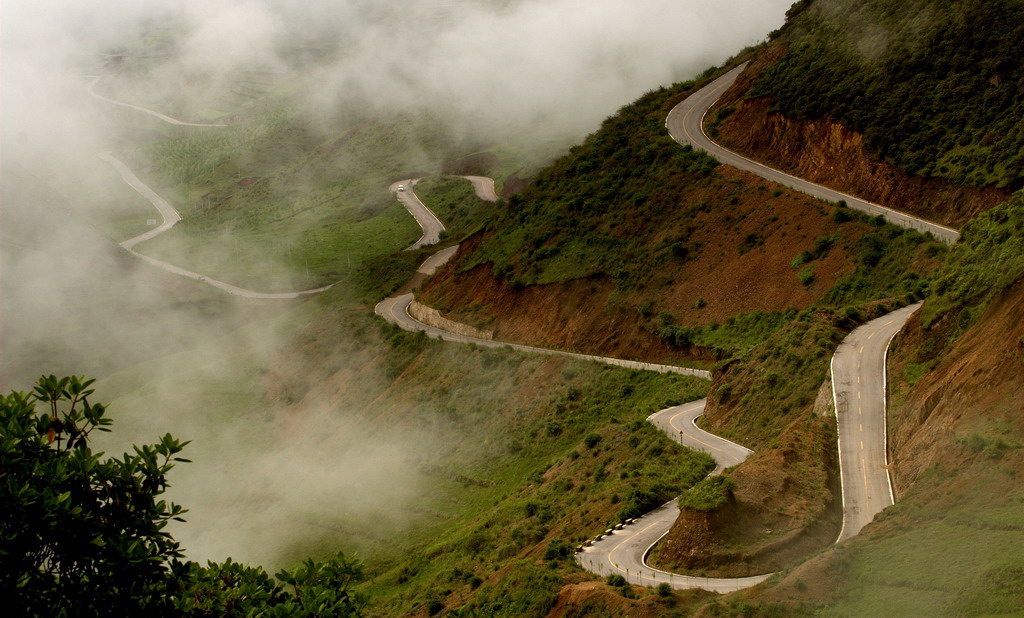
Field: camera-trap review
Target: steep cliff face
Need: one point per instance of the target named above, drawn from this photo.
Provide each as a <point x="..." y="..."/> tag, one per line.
<point x="971" y="405"/>
<point x="829" y="153"/>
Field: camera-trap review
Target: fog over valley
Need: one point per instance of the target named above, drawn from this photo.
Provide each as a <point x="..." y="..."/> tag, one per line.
<point x="304" y="91"/>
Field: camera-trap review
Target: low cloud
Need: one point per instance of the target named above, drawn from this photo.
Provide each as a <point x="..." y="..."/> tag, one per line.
<point x="72" y="301"/>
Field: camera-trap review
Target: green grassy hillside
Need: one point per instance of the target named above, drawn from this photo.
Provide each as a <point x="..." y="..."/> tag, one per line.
<point x="505" y="460"/>
<point x="933" y="86"/>
<point x="631" y="207"/>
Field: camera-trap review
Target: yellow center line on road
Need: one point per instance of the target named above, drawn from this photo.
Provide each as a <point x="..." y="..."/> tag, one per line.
<point x="862" y="446"/>
<point x="674" y="426"/>
<point x="860" y="410"/>
<point x="861" y="349"/>
<point x="862" y="427"/>
<point x="864" y="468"/>
<point x="858" y="394"/>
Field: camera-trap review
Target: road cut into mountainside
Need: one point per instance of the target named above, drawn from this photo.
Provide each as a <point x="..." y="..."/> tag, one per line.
<point x="624" y="548"/>
<point x="858" y="367"/>
<point x="685" y="123"/>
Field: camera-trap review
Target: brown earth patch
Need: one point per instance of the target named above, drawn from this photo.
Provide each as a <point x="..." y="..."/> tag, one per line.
<point x="514" y="185"/>
<point x="785" y="506"/>
<point x="596" y="598"/>
<point x="827" y="152"/>
<point x="740" y="249"/>
<point x="976" y="389"/>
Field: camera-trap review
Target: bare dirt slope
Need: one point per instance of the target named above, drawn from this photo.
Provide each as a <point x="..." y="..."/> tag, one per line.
<point x="972" y="400"/>
<point x="739" y="248"/>
<point x="827" y="152"/>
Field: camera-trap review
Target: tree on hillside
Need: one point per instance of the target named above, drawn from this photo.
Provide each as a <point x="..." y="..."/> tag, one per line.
<point x="83" y="535"/>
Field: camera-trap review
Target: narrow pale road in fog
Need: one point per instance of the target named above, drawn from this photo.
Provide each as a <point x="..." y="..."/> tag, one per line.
<point x="167" y="119"/>
<point x="432" y="226"/>
<point x="170" y="217"/>
<point x="624" y="551"/>
<point x="859" y="388"/>
<point x="169" y="213"/>
<point x="685" y="124"/>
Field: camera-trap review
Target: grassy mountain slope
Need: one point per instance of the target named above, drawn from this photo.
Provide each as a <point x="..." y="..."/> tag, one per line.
<point x="633" y="245"/>
<point x="539" y="258"/>
<point x="957" y="442"/>
<point x="502" y="462"/>
<point x="934" y="87"/>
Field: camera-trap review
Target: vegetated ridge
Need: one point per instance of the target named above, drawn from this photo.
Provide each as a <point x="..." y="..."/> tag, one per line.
<point x="794" y="347"/>
<point x="912" y="104"/>
<point x="801" y="493"/>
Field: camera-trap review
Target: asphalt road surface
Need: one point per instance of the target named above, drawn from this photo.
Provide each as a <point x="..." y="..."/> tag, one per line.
<point x="624" y="550"/>
<point x="680" y="423"/>
<point x="685" y="125"/>
<point x="484" y="187"/>
<point x="859" y="389"/>
<point x="432" y="226"/>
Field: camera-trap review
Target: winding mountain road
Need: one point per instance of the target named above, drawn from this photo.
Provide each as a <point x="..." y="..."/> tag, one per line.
<point x="858" y="386"/>
<point x="431" y="225"/>
<point x="858" y="367"/>
<point x="624" y="550"/>
<point x="858" y="376"/>
<point x="484" y="187"/>
<point x="685" y="123"/>
<point x="395" y="310"/>
<point x="170" y="216"/>
<point x="859" y="392"/>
